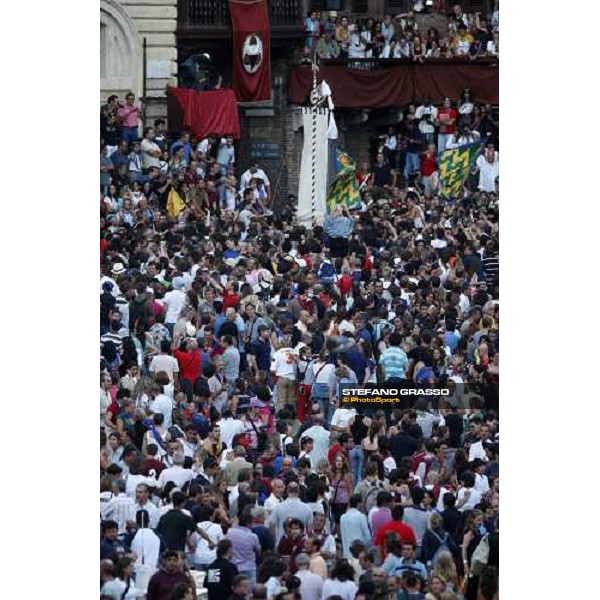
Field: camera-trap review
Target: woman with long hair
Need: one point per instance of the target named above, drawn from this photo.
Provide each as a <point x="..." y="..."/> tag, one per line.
<point x="473" y="532"/>
<point x="342" y="487"/>
<point x="370" y="444"/>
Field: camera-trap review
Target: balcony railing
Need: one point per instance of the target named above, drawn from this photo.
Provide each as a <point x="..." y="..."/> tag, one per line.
<point x="213" y="15"/>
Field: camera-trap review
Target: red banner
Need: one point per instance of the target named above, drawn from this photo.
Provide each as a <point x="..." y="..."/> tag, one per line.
<point x="251" y="50"/>
<point x="204" y="112"/>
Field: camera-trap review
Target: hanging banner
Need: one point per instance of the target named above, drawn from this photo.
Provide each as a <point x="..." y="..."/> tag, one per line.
<point x="313" y="170"/>
<point x="251" y="50"/>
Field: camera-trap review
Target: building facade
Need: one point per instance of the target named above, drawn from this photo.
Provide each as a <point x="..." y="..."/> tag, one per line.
<point x="124" y="24"/>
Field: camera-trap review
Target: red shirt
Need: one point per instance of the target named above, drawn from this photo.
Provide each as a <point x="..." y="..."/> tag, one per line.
<point x="428" y="166"/>
<point x="452" y="114"/>
<point x="190" y="364"/>
<point x="404" y="531"/>
<point x="345" y="284"/>
<point x="230" y="300"/>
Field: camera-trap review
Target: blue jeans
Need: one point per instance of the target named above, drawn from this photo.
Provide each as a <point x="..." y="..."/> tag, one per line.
<point x="319" y="393"/>
<point x="442" y="141"/>
<point x="129" y="134"/>
<point x="413" y="163"/>
<point x="357" y="458"/>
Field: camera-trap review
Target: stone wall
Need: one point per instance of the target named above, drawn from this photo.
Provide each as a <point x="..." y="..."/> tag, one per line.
<point x="123" y="26"/>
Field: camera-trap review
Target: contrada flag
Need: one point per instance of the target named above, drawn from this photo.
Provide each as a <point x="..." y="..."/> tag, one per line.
<point x="251" y="50"/>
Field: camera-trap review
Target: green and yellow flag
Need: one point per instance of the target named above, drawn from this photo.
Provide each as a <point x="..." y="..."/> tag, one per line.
<point x="344" y="190"/>
<point x="455" y="165"/>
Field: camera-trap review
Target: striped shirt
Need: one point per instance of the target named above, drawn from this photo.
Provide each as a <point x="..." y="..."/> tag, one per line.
<point x="394" y="361"/>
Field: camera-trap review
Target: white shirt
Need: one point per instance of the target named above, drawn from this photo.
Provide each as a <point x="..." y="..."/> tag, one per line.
<point x="146" y="544"/>
<point x="152" y="513"/>
<point x="282" y="363"/>
<point x="203" y="555"/>
<point x="311" y="586"/>
<point x="175" y="300"/>
<point x="229" y="429"/>
<point x="164" y="405"/>
<point x="346" y="589"/>
<point x="476" y="451"/>
<point x="271" y="502"/>
<point x="119" y="509"/>
<point x="166" y="363"/>
<point x="488" y="172"/>
<point x="147" y="160"/>
<point x="472" y="502"/>
<point x="247" y="176"/>
<point x="426" y="110"/>
<point x="177" y="474"/>
<point x="343" y="417"/>
<point x="482" y="485"/>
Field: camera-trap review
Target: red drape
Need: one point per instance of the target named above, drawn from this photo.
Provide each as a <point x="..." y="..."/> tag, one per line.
<point x="207" y="112"/>
<point x="398" y="85"/>
<point x="251" y="50"/>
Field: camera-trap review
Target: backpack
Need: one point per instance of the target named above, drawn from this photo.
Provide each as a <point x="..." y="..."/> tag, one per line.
<point x="443" y="547"/>
<point x="326" y="273"/>
<point x="371" y="495"/>
<point x="481" y="556"/>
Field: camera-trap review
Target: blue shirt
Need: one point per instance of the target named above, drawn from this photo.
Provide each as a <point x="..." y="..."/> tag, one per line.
<point x="219" y="320"/>
<point x="394" y="362"/>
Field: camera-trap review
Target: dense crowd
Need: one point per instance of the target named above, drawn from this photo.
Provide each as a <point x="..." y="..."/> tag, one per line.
<point x="227" y="463"/>
<point x="470" y="36"/>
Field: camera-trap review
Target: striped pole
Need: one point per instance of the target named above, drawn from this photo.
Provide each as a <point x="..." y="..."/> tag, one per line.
<point x="314" y="99"/>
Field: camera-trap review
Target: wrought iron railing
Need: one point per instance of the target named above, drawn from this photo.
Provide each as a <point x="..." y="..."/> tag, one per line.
<point x="209" y="14"/>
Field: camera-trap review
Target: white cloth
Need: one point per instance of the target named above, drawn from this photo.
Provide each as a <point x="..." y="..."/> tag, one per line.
<point x="177" y="474"/>
<point x="229" y="429"/>
<point x="146" y="544"/>
<point x="345" y="589"/>
<point x="321" y="444"/>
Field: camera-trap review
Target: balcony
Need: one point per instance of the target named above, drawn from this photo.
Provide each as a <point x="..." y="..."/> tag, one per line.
<point x="209" y="19"/>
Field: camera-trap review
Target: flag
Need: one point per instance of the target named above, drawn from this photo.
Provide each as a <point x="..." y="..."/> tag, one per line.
<point x="174" y="204"/>
<point x="343" y="161"/>
<point x="455" y="165"/>
<point x="251" y="50"/>
<point x="344" y="191"/>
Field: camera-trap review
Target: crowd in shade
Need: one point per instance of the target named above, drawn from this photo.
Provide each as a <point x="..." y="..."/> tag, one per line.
<point x="229" y="467"/>
<point x="334" y="35"/>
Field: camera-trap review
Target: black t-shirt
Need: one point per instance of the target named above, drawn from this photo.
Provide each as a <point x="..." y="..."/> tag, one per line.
<point x="401" y="445"/>
<point x="382" y="175"/>
<point x="173" y="527"/>
<point x="454" y="423"/>
<point x="229" y="328"/>
<point x="219" y="579"/>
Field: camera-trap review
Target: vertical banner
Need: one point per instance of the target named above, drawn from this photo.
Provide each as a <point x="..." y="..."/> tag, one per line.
<point x="251" y="50"/>
<point x="312" y="191"/>
<point x="455" y="165"/>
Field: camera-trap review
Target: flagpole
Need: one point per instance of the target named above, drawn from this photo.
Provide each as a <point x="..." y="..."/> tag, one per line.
<point x="314" y="100"/>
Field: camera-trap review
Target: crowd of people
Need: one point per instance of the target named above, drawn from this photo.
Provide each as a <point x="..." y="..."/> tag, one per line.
<point x="411" y="147"/>
<point x="336" y="36"/>
<point x="227" y="461"/>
